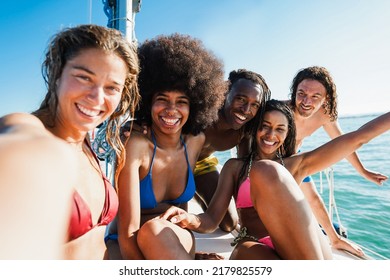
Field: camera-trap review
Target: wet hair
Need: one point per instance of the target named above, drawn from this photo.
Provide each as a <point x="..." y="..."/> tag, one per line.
<point x="235" y="76"/>
<point x="69" y="43"/>
<point x="288" y="147"/>
<point x="322" y="75"/>
<point x="179" y="62"/>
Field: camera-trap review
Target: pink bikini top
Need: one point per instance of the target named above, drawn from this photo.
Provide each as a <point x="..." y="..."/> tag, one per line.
<point x="243" y="199"/>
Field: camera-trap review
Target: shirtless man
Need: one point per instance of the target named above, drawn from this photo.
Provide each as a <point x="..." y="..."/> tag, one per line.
<point x="246" y="95"/>
<point x="314" y="102"/>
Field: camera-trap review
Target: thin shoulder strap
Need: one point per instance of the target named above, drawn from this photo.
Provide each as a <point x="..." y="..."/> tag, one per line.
<point x="250" y="166"/>
<point x="185" y="148"/>
<point x="154" y="150"/>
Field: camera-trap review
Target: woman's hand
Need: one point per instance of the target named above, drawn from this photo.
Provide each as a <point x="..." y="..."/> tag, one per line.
<point x="181" y="218"/>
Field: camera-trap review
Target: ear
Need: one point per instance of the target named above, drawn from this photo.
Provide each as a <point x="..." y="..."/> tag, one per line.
<point x="326" y="106"/>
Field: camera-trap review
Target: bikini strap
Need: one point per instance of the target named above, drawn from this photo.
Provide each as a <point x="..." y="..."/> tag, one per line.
<point x="185" y="148"/>
<point x="154" y="150"/>
<point x="250" y="166"/>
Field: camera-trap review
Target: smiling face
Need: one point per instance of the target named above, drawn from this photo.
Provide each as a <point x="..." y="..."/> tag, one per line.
<point x="272" y="134"/>
<point x="170" y="111"/>
<point x="310" y="97"/>
<point x="89" y="90"/>
<point x="242" y="103"/>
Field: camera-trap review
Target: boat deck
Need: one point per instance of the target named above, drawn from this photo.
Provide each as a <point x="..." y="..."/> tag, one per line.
<point x="219" y="241"/>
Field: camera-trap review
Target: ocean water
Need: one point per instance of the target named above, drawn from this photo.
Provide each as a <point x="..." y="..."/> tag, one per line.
<point x="363" y="207"/>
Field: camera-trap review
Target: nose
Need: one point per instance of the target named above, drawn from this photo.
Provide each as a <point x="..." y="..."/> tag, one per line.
<point x="270" y="133"/>
<point x="170" y="109"/>
<point x="96" y="95"/>
<point x="246" y="108"/>
<point x="306" y="100"/>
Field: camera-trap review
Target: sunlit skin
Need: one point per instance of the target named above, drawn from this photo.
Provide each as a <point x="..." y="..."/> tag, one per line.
<point x="279" y="204"/>
<point x="310" y="115"/>
<point x="170" y="111"/>
<point x="242" y="103"/>
<point x="241" y="106"/>
<point x="89" y="90"/>
<point x="271" y="134"/>
<point x="269" y="138"/>
<point x="310" y="97"/>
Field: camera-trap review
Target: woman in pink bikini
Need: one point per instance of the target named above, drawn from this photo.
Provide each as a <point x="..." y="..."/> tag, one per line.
<point x="276" y="221"/>
<point x="91" y="76"/>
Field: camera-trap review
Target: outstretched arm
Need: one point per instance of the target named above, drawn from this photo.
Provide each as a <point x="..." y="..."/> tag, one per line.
<point x="333" y="129"/>
<point x="340" y="147"/>
<point x="37" y="172"/>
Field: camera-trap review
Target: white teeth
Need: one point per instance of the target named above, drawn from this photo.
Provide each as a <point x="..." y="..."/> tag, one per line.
<point x="88" y="112"/>
<point x="170" y="121"/>
<point x="268" y="142"/>
<point x="241" y="117"/>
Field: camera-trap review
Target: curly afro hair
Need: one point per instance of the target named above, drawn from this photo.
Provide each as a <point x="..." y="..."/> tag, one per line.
<point x="181" y="63"/>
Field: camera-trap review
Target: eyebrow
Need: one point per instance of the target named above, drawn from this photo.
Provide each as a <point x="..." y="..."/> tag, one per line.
<point x="92" y="73"/>
<point x="245" y="96"/>
<point x="83" y="68"/>
<point x="269" y="122"/>
<point x="162" y="93"/>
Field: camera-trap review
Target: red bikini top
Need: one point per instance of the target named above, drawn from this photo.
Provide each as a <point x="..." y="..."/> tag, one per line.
<point x="81" y="219"/>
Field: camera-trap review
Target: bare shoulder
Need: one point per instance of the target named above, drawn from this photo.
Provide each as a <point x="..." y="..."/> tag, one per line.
<point x="196" y="140"/>
<point x="21" y="122"/>
<point x="322" y="117"/>
<point x="233" y="164"/>
<point x="137" y="139"/>
<point x="25" y="134"/>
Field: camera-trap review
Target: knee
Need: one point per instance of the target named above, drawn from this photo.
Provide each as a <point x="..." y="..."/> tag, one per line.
<point x="269" y="178"/>
<point x="266" y="174"/>
<point x="149" y="230"/>
<point x="268" y="168"/>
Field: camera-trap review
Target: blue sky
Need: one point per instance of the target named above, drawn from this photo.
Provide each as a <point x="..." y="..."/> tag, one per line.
<point x="275" y="38"/>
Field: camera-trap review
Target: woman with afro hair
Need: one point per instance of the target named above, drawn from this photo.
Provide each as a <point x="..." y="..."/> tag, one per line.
<point x="182" y="88"/>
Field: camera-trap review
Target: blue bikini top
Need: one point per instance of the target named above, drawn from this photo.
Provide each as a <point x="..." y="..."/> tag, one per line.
<point x="147" y="198"/>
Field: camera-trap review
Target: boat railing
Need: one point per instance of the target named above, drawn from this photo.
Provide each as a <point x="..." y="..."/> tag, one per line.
<point x="327" y="175"/>
<point x="332" y="206"/>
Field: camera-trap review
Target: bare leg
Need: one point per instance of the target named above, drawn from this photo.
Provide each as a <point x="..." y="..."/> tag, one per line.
<point x="206" y="185"/>
<point x="160" y="239"/>
<point x="285" y="213"/>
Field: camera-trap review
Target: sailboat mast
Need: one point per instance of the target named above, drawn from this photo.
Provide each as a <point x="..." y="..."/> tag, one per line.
<point x="121" y="16"/>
